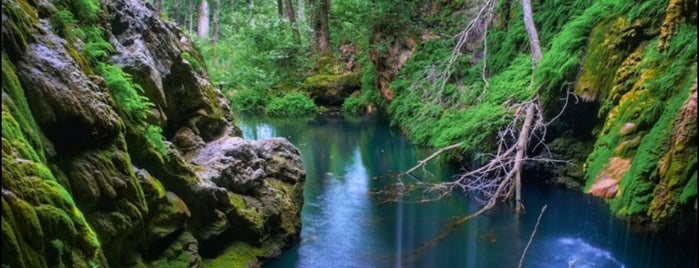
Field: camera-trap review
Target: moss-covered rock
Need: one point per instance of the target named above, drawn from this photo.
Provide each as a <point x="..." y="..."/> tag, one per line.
<point x="90" y="91"/>
<point x="332" y="89"/>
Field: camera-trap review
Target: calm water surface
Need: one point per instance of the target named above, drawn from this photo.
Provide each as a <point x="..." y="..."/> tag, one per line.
<point x="346" y="225"/>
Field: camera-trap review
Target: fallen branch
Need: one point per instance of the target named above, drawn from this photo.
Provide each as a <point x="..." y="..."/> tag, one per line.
<point x="521" y="259"/>
<point x="422" y="162"/>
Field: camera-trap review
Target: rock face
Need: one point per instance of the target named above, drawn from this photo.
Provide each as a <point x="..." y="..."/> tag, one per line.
<point x="93" y="93"/>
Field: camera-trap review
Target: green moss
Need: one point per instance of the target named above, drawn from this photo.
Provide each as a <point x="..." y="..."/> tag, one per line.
<point x="690" y="190"/>
<point x="18" y="24"/>
<point x="195" y="60"/>
<point x="603" y="57"/>
<point x="252" y="217"/>
<point x="20" y="123"/>
<point x="238" y="254"/>
<point x="331" y="80"/>
<point x="661" y="89"/>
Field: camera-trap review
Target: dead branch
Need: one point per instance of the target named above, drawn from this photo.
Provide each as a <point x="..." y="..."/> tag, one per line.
<point x="521" y="259"/>
<point x="422" y="162"/>
<point x="437" y="76"/>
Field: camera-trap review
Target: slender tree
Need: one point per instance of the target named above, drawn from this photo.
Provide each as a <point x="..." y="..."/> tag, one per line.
<point x="158" y="5"/>
<point x="190" y="18"/>
<point x="203" y="19"/>
<point x="292" y="21"/>
<point x="280" y="8"/>
<point x="323" y="27"/>
<point x="319" y="24"/>
<point x="300" y="7"/>
<point x="214" y="22"/>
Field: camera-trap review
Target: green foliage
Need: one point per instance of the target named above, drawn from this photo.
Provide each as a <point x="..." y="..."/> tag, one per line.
<point x="560" y="62"/>
<point x="292" y="104"/>
<point x="97" y="49"/>
<point x="353" y="105"/>
<point x="86" y="11"/>
<point x="64" y="23"/>
<point x="154" y="137"/>
<point x="125" y="93"/>
<point x="249" y="101"/>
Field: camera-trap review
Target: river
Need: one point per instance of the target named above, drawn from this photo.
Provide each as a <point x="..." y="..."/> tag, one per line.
<point x="346" y="224"/>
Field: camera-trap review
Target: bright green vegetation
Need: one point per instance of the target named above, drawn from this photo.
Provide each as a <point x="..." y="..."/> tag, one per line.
<point x="663" y="163"/>
<point x="239" y="254"/>
<point x="41" y="225"/>
<point x="292" y="104"/>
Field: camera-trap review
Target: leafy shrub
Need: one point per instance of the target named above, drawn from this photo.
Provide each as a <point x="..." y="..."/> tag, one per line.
<point x="125" y="93"/>
<point x="154" y="136"/>
<point x="353" y="105"/>
<point x="293" y="104"/>
<point x="249" y="101"/>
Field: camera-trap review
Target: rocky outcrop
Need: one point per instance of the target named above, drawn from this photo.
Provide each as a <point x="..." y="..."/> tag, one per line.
<point x="331" y="84"/>
<point x="118" y="151"/>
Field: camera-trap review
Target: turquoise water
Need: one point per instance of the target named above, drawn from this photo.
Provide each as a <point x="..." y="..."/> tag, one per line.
<point x="346" y="224"/>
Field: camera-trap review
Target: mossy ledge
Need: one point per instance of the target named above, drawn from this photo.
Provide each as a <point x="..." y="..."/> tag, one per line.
<point x="101" y="130"/>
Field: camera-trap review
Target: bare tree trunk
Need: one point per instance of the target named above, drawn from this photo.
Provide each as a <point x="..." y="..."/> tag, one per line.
<point x="190" y="21"/>
<point x="300" y="7"/>
<point x="214" y="23"/>
<point x="531" y="32"/>
<point x="313" y="21"/>
<point x="522" y="143"/>
<point x="158" y="5"/>
<point x="525" y="132"/>
<point x="280" y="9"/>
<point x="324" y="29"/>
<point x="203" y="20"/>
<point x="292" y="21"/>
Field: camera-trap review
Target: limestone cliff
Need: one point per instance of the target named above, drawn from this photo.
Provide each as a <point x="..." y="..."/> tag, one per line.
<point x="118" y="151"/>
<point x="618" y="77"/>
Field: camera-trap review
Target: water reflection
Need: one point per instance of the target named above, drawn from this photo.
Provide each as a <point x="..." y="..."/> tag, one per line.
<point x="345" y="225"/>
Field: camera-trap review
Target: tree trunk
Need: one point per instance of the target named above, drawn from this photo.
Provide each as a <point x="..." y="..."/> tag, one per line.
<point x="203" y="20"/>
<point x="280" y="9"/>
<point x="525" y="132"/>
<point x="214" y="23"/>
<point x="522" y="143"/>
<point x="300" y="10"/>
<point x="190" y="21"/>
<point x="314" y="24"/>
<point x="324" y="30"/>
<point x="292" y="21"/>
<point x="531" y="32"/>
<point x="158" y="5"/>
